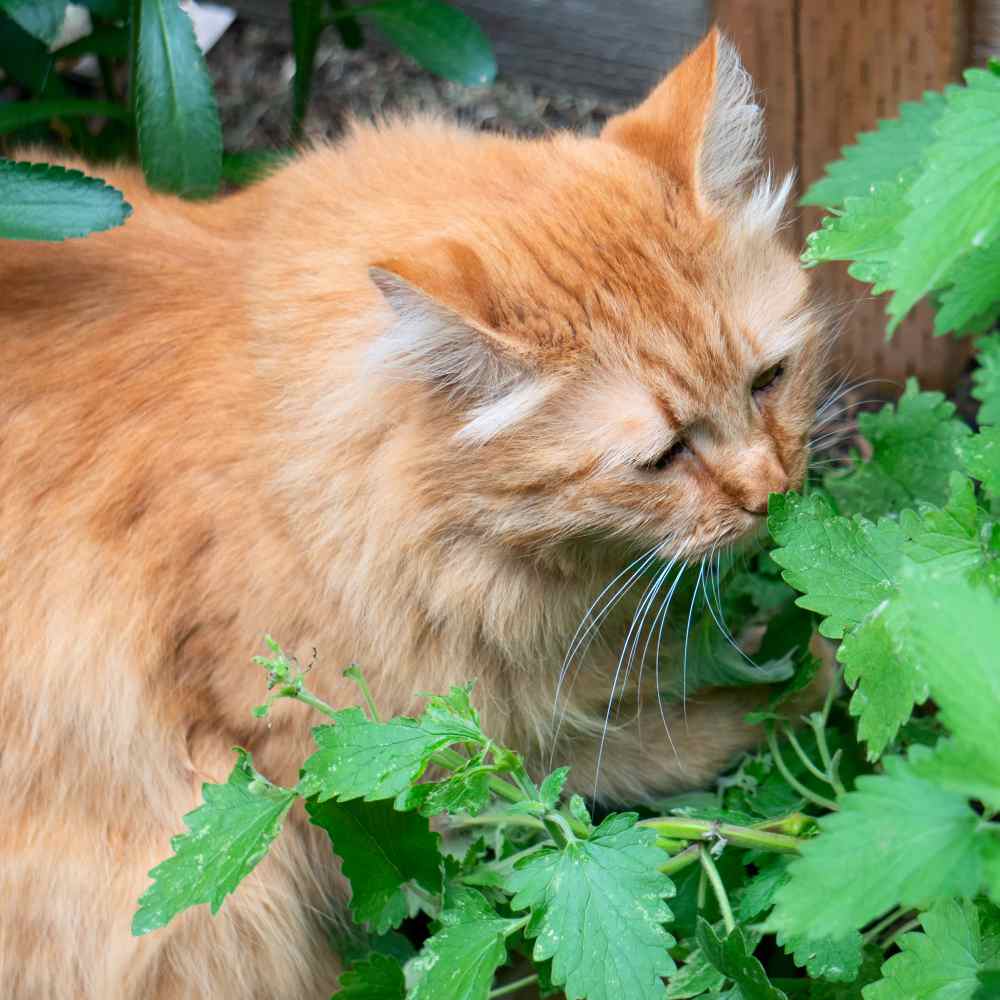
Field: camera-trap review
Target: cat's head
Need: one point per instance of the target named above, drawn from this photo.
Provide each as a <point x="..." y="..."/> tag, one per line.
<point x="609" y="337"/>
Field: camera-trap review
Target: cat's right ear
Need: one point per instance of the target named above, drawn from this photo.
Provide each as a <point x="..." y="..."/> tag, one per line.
<point x="444" y="334"/>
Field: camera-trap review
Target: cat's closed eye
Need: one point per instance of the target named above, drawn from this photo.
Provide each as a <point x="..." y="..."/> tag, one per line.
<point x="768" y="377"/>
<point x="665" y="458"/>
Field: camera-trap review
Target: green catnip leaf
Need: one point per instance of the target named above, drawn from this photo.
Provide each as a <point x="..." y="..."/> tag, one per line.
<point x="42" y="19"/>
<point x="551" y="788"/>
<point x="812" y="539"/>
<point x="916" y="448"/>
<point x="227" y="836"/>
<point x="986" y="379"/>
<point x="597" y="910"/>
<point x="758" y="894"/>
<point x="897" y="145"/>
<point x="906" y="840"/>
<point x="732" y="957"/>
<point x="695" y="978"/>
<point x="956" y="199"/>
<point x="377" y="977"/>
<point x="378" y="760"/>
<point x="836" y="959"/>
<point x="459" y="961"/>
<point x="972" y="302"/>
<point x="39" y="201"/>
<point x="981" y="455"/>
<point x="380" y="850"/>
<point x="946" y="961"/>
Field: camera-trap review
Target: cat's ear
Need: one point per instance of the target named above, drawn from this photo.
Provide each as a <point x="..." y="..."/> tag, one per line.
<point x="700" y="124"/>
<point x="445" y="334"/>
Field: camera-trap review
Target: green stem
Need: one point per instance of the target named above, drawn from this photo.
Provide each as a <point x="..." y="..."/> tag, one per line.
<point x="492" y="819"/>
<point x="353" y="673"/>
<point x="807" y="761"/>
<point x="508" y="988"/>
<point x="807" y="793"/>
<point x="302" y="694"/>
<point x="681" y="861"/>
<point x="682" y="828"/>
<point x="910" y="925"/>
<point x="432" y="903"/>
<point x="708" y="867"/>
<point x="453" y="761"/>
<point x="887" y="921"/>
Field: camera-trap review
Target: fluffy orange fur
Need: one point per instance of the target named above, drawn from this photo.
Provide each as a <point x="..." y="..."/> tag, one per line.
<point x="403" y="401"/>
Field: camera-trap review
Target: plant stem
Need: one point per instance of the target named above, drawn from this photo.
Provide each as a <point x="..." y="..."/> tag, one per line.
<point x="492" y="819"/>
<point x="807" y="761"/>
<point x="793" y="782"/>
<point x="508" y="988"/>
<point x="708" y="867"/>
<point x="682" y="828"/>
<point x="304" y="695"/>
<point x="681" y="861"/>
<point x="354" y="674"/>
<point x="910" y="925"/>
<point x="888" y="920"/>
<point x="431" y="902"/>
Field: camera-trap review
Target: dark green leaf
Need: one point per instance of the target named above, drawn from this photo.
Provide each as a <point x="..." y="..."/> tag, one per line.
<point x="380" y="850"/>
<point x="836" y="959"/>
<point x="105" y="40"/>
<point x="251" y="165"/>
<point x="43" y="202"/>
<point x="177" y="120"/>
<point x="981" y="454"/>
<point x="28" y="61"/>
<point x="227" y="836"/>
<point x="439" y="37"/>
<point x="735" y="961"/>
<point x="42" y="19"/>
<point x="376" y="978"/>
<point x="987" y="379"/>
<point x="20" y="114"/>
<point x="348" y="26"/>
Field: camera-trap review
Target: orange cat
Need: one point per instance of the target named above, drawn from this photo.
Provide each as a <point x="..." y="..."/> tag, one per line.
<point x="413" y="400"/>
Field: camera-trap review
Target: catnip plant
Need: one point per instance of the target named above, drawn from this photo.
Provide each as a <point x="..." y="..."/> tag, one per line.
<point x="857" y="855"/>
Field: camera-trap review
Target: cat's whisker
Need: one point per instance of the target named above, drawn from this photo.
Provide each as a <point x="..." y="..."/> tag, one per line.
<point x="662" y="614"/>
<point x="687" y="637"/>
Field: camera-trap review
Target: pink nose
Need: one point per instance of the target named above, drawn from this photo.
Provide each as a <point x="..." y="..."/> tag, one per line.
<point x="755" y="500"/>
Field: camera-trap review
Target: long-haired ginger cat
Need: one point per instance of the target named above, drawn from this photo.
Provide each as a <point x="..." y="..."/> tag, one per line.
<point x="414" y="400"/>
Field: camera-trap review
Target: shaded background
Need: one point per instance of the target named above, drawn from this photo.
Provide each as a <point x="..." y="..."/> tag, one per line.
<point x="825" y="71"/>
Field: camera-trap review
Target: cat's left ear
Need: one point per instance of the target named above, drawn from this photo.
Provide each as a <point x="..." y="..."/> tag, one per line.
<point x="700" y="124"/>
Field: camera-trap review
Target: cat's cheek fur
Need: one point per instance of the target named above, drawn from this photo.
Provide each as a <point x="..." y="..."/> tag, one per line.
<point x="392" y="402"/>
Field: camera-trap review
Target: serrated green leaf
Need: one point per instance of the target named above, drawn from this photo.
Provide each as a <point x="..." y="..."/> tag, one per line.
<point x="375" y="978"/>
<point x="378" y="760"/>
<point x="758" y="894"/>
<point x="42" y="19"/>
<point x="908" y="841"/>
<point x="597" y="910"/>
<point x="953" y="629"/>
<point x="735" y="960"/>
<point x="981" y="454"/>
<point x="946" y="961"/>
<point x="915" y="450"/>
<point x="956" y="199"/>
<point x="696" y="977"/>
<point x="380" y="851"/>
<point x="439" y="37"/>
<point x="43" y="202"/>
<point x="986" y="379"/>
<point x="887" y="684"/>
<point x="458" y="962"/>
<point x="812" y="538"/>
<point x="897" y="145"/>
<point x="835" y="959"/>
<point x="465" y="791"/>
<point x="227" y="836"/>
<point x="866" y="232"/>
<point x="972" y="302"/>
<point x="551" y="788"/>
<point x="177" y="119"/>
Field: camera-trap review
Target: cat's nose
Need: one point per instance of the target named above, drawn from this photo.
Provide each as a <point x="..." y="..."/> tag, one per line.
<point x="755" y="499"/>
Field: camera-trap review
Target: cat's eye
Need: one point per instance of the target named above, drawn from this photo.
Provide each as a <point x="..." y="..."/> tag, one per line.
<point x="664" y="459"/>
<point x="768" y="377"/>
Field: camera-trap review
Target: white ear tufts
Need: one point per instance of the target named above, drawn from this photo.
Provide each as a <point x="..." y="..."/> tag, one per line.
<point x="734" y="132"/>
<point x="762" y="211"/>
<point x="491" y="419"/>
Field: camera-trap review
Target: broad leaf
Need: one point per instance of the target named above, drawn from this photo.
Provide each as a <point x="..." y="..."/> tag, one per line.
<point x="972" y="302"/>
<point x="380" y="851"/>
<point x="909" y="841"/>
<point x="439" y="37"/>
<point x="378" y="760"/>
<point x="897" y="145"/>
<point x="947" y="961"/>
<point x="986" y="379"/>
<point x="43" y="202"/>
<point x="308" y="21"/>
<point x="916" y="449"/>
<point x="812" y="539"/>
<point x="458" y="962"/>
<point x="836" y="959"/>
<point x="28" y="61"/>
<point x="981" y="454"/>
<point x="732" y="957"/>
<point x="377" y="977"/>
<point x="177" y="120"/>
<point x="597" y="910"/>
<point x="227" y="836"/>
